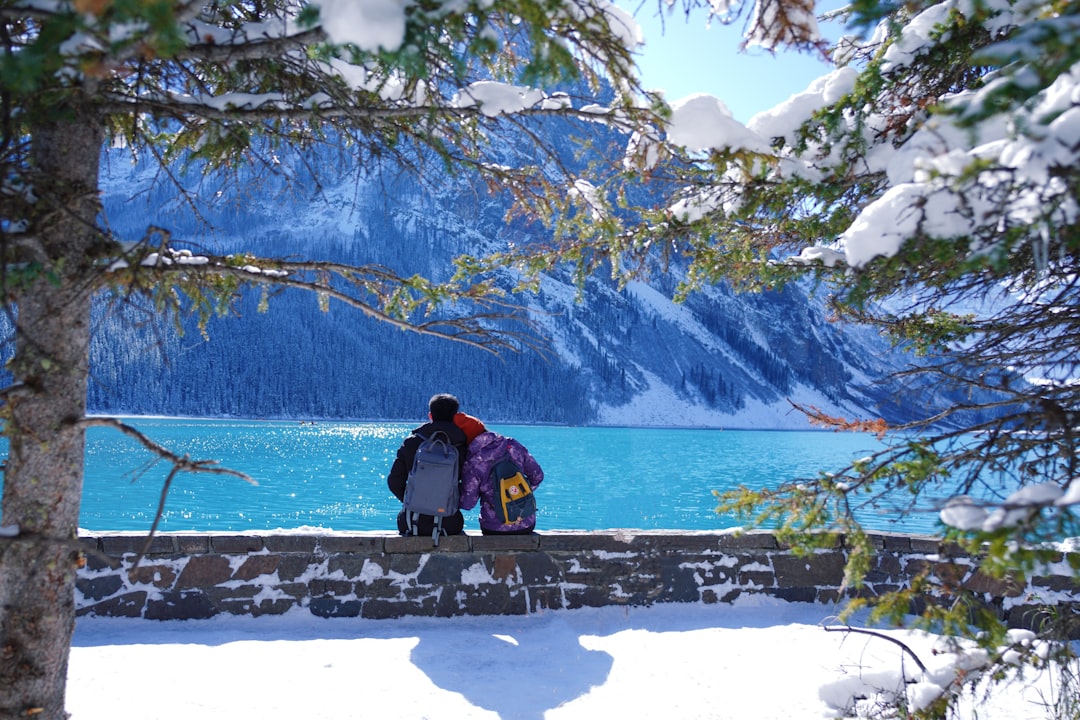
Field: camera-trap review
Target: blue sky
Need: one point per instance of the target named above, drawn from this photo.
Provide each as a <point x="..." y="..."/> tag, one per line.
<point x="685" y="56"/>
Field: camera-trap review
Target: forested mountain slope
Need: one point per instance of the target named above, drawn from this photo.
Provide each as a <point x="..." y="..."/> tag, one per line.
<point x="627" y="356"/>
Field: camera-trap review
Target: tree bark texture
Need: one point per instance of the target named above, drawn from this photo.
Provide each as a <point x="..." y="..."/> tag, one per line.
<point x="44" y="470"/>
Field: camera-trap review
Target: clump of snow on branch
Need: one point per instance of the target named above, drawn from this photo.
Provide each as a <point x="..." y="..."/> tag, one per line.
<point x="622" y="24"/>
<point x="965" y="513"/>
<point x="590" y="196"/>
<point x="703" y="122"/>
<point x="369" y="24"/>
<point x="170" y="256"/>
<point x="784" y="120"/>
<point x="495" y="98"/>
<point x="697" y="205"/>
<point x="949" y="665"/>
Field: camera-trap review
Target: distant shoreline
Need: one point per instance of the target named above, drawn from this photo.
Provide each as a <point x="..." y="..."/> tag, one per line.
<point x="419" y="421"/>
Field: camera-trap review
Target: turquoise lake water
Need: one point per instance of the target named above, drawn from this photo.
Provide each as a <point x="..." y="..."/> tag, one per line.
<point x="333" y="475"/>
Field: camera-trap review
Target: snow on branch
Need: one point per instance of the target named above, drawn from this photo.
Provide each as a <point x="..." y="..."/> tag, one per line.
<point x="374" y="290"/>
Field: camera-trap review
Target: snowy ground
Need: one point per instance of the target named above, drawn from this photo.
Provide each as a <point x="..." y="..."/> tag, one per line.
<point x="747" y="662"/>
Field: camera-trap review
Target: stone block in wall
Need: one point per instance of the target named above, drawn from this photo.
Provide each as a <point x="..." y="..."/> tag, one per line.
<point x="877" y="541"/>
<point x="406" y="564"/>
<point x="712" y="596"/>
<point x="505" y="543"/>
<point x="385" y="587"/>
<point x="579" y="596"/>
<point x="380" y="608"/>
<point x="364" y="544"/>
<point x="816" y="570"/>
<point x="296" y="591"/>
<point x="290" y="567"/>
<point x="754" y="574"/>
<point x="926" y="545"/>
<point x="916" y="567"/>
<point x="383" y="609"/>
<point x="423" y="544"/>
<point x="159" y="575"/>
<point x="273" y="606"/>
<point x="651" y="543"/>
<point x="504" y="568"/>
<point x="896" y="543"/>
<point x="335" y="588"/>
<point x="950" y="550"/>
<point x="241" y="601"/>
<point x="1057" y="583"/>
<point x="980" y="582"/>
<point x="684" y="582"/>
<point x="599" y="542"/>
<point x="204" y="571"/>
<point x="950" y="574"/>
<point x="884" y="567"/>
<point x="193" y="544"/>
<point x="330" y="607"/>
<point x="635" y="583"/>
<point x="256" y="565"/>
<point x="99" y="587"/>
<point x="498" y="599"/>
<point x="120" y="545"/>
<point x="873" y="590"/>
<point x="538" y="569"/>
<point x="128" y="605"/>
<point x="748" y="541"/>
<point x="180" y="605"/>
<point x="98" y="560"/>
<point x="375" y="566"/>
<point x="424" y="601"/>
<point x="236" y="544"/>
<point x="233" y="600"/>
<point x="349" y="565"/>
<point x="446" y="569"/>
<point x="305" y="544"/>
<point x="829" y="596"/>
<point x="825" y="540"/>
<point x="546" y="598"/>
<point x="793" y="594"/>
<point x="1061" y="620"/>
<point x="596" y="568"/>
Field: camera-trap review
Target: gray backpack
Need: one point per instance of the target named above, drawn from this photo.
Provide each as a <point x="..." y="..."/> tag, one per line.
<point x="432" y="485"/>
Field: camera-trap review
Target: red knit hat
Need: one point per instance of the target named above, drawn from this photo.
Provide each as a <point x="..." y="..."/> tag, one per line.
<point x="470" y="425"/>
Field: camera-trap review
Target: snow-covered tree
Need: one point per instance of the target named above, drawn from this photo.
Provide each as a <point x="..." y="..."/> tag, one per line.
<point x="930" y="184"/>
<point x="237" y="90"/>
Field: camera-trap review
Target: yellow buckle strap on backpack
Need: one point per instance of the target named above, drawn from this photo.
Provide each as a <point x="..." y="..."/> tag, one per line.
<point x="514" y="500"/>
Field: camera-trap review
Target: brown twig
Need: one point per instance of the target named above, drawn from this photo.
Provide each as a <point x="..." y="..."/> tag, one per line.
<point x="907" y="650"/>
<point x="179" y="463"/>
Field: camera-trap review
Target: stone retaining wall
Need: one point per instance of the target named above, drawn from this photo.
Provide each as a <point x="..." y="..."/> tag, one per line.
<point x="188" y="575"/>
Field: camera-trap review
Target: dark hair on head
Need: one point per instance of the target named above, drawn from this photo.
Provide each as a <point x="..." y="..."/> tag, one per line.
<point x="443" y="406"/>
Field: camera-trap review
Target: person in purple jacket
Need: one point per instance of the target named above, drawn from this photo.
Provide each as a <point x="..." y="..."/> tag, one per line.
<point x="477" y="484"/>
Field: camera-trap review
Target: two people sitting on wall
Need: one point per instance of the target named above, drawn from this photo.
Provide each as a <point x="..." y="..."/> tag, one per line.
<point x="482" y="456"/>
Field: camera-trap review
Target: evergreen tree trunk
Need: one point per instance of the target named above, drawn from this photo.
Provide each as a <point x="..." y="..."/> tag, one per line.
<point x="44" y="470"/>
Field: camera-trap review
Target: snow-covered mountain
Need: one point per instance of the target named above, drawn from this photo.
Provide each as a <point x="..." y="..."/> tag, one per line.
<point x="617" y="356"/>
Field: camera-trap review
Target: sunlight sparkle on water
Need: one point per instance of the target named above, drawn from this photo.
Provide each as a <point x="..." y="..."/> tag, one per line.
<point x="333" y="475"/>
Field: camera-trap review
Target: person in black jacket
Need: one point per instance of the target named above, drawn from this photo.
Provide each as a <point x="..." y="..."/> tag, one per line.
<point x="441" y="411"/>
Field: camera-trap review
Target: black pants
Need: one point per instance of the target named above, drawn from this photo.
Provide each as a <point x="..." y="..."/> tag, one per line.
<point x="451" y="525"/>
<point x="521" y="531"/>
